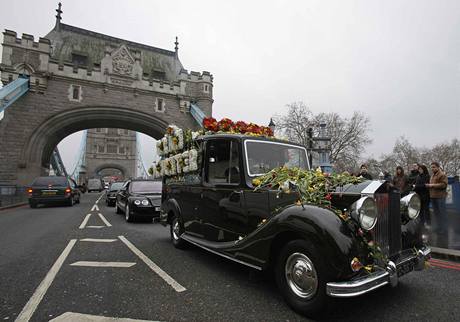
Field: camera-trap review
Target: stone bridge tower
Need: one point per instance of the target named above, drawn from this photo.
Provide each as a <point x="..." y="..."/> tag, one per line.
<point x="110" y="152"/>
<point x="81" y="79"/>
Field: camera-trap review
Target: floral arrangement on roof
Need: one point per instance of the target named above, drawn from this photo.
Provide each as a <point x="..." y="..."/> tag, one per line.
<point x="178" y="149"/>
<point x="226" y="125"/>
<point x="315" y="187"/>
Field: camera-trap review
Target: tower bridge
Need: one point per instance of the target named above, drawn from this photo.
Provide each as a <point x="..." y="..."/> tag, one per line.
<point x="80" y="79"/>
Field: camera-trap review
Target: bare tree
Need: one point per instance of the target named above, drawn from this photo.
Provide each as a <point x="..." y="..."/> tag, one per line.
<point x="404" y="154"/>
<point x="348" y="135"/>
<point x="295" y="123"/>
<point x="447" y="154"/>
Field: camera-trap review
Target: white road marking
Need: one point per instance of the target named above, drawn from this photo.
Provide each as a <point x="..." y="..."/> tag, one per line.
<point x="71" y="316"/>
<point x="97" y="227"/>
<point x="103" y="264"/>
<point x="95" y="208"/>
<point x="96" y="240"/>
<point x="36" y="298"/>
<point x="104" y="220"/>
<point x="85" y="221"/>
<point x="154" y="267"/>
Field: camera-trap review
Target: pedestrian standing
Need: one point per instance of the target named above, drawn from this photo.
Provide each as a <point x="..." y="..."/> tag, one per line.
<point x="401" y="181"/>
<point x="420" y="188"/>
<point x="363" y="172"/>
<point x="438" y="194"/>
<point x="413" y="173"/>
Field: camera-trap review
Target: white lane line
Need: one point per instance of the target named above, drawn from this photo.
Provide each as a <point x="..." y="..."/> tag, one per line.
<point x="85" y="221"/>
<point x="98" y="199"/>
<point x="104" y="220"/>
<point x="71" y="316"/>
<point x="103" y="264"/>
<point x="36" y="298"/>
<point x="154" y="267"/>
<point x="95" y="208"/>
<point x="97" y="227"/>
<point x="97" y="240"/>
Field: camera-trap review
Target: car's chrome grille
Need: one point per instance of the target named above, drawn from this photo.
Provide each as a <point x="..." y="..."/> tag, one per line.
<point x="387" y="231"/>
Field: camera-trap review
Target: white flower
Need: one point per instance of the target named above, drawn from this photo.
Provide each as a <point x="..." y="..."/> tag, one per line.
<point x="193" y="164"/>
<point x="285" y="186"/>
<point x="185" y="156"/>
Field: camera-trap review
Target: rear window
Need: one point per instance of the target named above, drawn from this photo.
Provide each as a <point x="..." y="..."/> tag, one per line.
<point x="116" y="186"/>
<point x="54" y="181"/>
<point x="146" y="186"/>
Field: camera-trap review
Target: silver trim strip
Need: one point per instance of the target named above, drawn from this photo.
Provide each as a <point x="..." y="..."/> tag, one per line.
<point x="220" y="254"/>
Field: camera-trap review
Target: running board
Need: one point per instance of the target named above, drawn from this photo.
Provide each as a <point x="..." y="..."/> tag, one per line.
<point x="199" y="242"/>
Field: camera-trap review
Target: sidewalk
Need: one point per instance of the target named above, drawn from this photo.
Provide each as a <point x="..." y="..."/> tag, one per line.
<point x="450" y="243"/>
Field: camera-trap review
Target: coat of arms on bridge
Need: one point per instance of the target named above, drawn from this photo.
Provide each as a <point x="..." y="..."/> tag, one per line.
<point x="122" y="61"/>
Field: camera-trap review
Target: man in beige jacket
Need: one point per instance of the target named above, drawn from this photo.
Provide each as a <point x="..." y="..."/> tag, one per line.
<point x="438" y="194"/>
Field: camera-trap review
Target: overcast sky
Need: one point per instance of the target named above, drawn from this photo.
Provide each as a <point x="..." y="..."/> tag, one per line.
<point x="396" y="61"/>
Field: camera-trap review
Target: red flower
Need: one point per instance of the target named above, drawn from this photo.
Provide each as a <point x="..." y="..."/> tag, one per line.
<point x="210" y="124"/>
<point x="328" y="197"/>
<point x="241" y="127"/>
<point x="225" y="124"/>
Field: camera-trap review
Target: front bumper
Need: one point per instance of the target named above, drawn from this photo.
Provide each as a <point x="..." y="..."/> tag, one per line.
<point x="150" y="211"/>
<point x="389" y="275"/>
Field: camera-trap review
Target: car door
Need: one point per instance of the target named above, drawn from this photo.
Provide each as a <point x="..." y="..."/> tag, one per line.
<point x="221" y="209"/>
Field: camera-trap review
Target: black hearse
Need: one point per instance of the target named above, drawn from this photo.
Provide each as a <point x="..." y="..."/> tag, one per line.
<point x="314" y="253"/>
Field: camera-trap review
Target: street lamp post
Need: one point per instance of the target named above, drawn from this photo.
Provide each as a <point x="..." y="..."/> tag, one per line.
<point x="272" y="125"/>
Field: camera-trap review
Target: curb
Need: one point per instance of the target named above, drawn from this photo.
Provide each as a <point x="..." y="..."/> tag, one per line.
<point x="16" y="205"/>
<point x="444" y="253"/>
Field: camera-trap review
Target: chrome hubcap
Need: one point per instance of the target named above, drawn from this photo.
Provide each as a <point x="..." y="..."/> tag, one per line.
<point x="176" y="230"/>
<point x="301" y="275"/>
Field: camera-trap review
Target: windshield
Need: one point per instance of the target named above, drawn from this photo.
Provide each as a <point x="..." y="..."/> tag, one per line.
<point x="262" y="156"/>
<point x="146" y="186"/>
<point x="54" y="181"/>
<point x="116" y="186"/>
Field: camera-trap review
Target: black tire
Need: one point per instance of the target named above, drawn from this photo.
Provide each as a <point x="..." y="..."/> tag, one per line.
<point x="78" y="200"/>
<point x="32" y="204"/>
<point x="70" y="202"/>
<point x="176" y="229"/>
<point x="305" y="295"/>
<point x="117" y="209"/>
<point x="129" y="217"/>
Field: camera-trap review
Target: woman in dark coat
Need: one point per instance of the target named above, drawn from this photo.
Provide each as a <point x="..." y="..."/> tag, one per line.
<point x="419" y="187"/>
<point x="401" y="181"/>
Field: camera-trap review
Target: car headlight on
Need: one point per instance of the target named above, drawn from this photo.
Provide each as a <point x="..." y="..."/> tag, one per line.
<point x="410" y="206"/>
<point x="365" y="212"/>
<point x="137" y="202"/>
<point x="145" y="202"/>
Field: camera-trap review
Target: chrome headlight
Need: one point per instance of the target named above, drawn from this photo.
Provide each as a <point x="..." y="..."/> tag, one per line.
<point x="411" y="205"/>
<point x="137" y="202"/>
<point x="366" y="212"/>
<point x="145" y="202"/>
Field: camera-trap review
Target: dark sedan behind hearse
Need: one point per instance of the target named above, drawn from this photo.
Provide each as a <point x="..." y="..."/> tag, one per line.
<point x="111" y="193"/>
<point x="315" y="252"/>
<point x="53" y="190"/>
<point x="139" y="198"/>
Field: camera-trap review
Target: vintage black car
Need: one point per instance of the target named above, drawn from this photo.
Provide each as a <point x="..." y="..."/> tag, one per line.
<point x="312" y="251"/>
<point x="111" y="193"/>
<point x="139" y="198"/>
<point x="53" y="190"/>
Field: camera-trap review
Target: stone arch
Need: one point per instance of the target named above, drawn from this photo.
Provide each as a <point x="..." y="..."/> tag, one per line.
<point x="37" y="150"/>
<point x="111" y="166"/>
